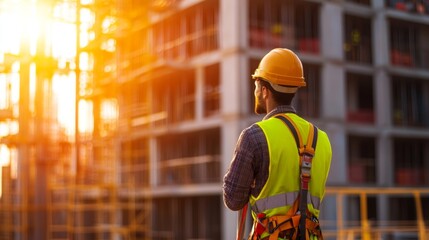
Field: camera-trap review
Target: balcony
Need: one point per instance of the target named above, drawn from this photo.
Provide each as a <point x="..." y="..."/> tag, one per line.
<point x="419" y="7"/>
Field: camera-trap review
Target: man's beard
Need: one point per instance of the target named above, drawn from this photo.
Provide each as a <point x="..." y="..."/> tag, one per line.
<point x="259" y="107"/>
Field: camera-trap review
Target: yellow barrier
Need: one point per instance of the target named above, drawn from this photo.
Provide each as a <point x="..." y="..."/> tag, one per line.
<point x="365" y="231"/>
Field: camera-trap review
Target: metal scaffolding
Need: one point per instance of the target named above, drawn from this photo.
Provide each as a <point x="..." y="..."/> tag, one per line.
<point x="55" y="178"/>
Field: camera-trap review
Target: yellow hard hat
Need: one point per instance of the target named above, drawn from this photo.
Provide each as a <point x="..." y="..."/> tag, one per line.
<point x="282" y="69"/>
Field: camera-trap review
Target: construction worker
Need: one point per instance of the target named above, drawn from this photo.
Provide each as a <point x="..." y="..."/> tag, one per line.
<point x="279" y="159"/>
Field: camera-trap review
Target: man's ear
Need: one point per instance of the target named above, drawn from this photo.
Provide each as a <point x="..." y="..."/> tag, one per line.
<point x="265" y="92"/>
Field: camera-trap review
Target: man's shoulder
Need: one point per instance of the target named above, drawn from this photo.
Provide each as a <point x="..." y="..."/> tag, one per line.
<point x="252" y="128"/>
<point x="252" y="133"/>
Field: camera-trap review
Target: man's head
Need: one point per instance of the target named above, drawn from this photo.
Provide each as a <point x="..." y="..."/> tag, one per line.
<point x="278" y="76"/>
<point x="266" y="97"/>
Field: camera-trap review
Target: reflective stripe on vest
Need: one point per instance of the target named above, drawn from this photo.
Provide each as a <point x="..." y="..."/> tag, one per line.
<point x="283" y="199"/>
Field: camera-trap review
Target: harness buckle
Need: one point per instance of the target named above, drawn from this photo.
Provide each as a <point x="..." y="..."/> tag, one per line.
<point x="306" y="169"/>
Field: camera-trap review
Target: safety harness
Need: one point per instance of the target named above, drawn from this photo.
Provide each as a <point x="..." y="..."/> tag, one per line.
<point x="298" y="223"/>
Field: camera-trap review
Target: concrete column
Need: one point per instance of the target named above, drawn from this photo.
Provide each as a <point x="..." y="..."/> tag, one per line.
<point x="233" y="24"/>
<point x="233" y="32"/>
<point x="199" y="93"/>
<point x="383" y="106"/>
<point x="384" y="161"/>
<point x="333" y="88"/>
<point x="331" y="31"/>
<point x="338" y="138"/>
<point x="333" y="92"/>
<point x="334" y="105"/>
<point x="382" y="96"/>
<point x="153" y="162"/>
<point x="382" y="92"/>
<point x="383" y="110"/>
<point x="377" y="4"/>
<point x="380" y="36"/>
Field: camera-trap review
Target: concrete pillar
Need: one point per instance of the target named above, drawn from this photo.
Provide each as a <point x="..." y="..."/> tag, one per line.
<point x="380" y="41"/>
<point x="333" y="88"/>
<point x="233" y="32"/>
<point x="334" y="107"/>
<point x="199" y="93"/>
<point x="382" y="96"/>
<point x="153" y="162"/>
<point x="331" y="16"/>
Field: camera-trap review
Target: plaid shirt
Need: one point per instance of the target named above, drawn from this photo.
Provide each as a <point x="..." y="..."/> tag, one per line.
<point x="248" y="171"/>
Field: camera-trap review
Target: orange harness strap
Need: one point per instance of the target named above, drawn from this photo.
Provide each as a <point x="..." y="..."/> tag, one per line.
<point x="289" y="224"/>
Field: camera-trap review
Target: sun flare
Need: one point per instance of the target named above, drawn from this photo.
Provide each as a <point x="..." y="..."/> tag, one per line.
<point x="34" y="32"/>
<point x="42" y="30"/>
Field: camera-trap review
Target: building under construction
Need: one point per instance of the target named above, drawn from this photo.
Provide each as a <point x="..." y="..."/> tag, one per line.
<point x="119" y="118"/>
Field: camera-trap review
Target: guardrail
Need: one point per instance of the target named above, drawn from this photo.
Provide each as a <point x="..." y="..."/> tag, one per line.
<point x="363" y="229"/>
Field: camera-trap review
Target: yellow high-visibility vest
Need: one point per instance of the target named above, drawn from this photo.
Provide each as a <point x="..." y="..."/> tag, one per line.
<point x="283" y="183"/>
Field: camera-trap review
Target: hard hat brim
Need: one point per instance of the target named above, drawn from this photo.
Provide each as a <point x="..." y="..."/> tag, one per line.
<point x="283" y="89"/>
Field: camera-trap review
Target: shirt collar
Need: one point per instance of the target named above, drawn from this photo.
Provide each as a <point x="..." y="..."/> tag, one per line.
<point x="280" y="109"/>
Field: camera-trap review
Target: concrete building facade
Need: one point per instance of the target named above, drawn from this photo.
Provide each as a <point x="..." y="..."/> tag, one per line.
<point x="179" y="79"/>
<point x="366" y="63"/>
